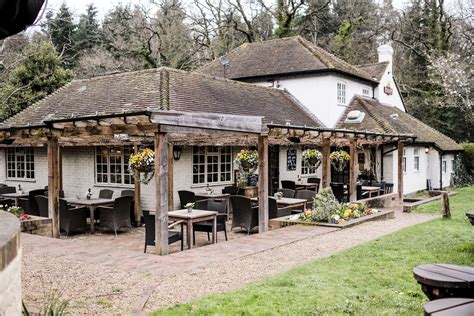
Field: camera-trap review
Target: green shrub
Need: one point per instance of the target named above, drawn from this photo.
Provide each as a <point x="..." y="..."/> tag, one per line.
<point x="326" y="205"/>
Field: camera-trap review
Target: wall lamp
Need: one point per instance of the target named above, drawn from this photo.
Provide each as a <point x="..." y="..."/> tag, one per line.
<point x="177" y="151"/>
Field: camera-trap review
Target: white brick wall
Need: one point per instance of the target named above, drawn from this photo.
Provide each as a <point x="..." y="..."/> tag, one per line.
<point x="10" y="288"/>
<point x="285" y="174"/>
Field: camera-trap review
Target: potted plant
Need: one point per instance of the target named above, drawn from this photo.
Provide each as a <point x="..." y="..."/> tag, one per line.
<point x="339" y="159"/>
<point x="190" y="206"/>
<point x="246" y="160"/>
<point x="143" y="164"/>
<point x="312" y="157"/>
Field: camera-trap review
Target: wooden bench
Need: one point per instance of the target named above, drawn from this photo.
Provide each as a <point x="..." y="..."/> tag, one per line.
<point x="450" y="307"/>
<point x="445" y="280"/>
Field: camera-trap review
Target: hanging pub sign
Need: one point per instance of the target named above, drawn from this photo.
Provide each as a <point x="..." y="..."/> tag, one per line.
<point x="291" y="159"/>
<point x="387" y="89"/>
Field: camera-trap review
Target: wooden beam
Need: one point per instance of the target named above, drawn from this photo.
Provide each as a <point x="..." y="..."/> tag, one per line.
<point x="326" y="165"/>
<point x="138" y="194"/>
<point x="60" y="167"/>
<point x="353" y="170"/>
<point x="170" y="177"/>
<point x="53" y="184"/>
<point x="161" y="195"/>
<point x="262" y="183"/>
<point x="400" y="170"/>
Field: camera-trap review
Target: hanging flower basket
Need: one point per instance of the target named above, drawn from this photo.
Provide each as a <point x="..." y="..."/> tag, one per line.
<point x="312" y="157"/>
<point x="246" y="160"/>
<point x="142" y="165"/>
<point x="339" y="159"/>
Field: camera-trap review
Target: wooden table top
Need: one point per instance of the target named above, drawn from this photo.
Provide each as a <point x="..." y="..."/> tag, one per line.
<point x="212" y="195"/>
<point x="184" y="214"/>
<point x="91" y="202"/>
<point x="450" y="306"/>
<point x="445" y="275"/>
<point x="15" y="195"/>
<point x="370" y="188"/>
<point x="286" y="201"/>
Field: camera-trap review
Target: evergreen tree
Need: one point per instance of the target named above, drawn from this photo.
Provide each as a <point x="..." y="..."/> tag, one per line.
<point x="62" y="29"/>
<point x="88" y="34"/>
<point x="40" y="74"/>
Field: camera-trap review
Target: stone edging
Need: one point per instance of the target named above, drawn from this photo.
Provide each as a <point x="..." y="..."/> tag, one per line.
<point x="9" y="238"/>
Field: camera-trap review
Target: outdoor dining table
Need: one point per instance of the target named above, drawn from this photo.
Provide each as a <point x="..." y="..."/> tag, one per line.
<point x="445" y="280"/>
<point x="195" y="216"/>
<point x="16" y="196"/>
<point x="370" y="189"/>
<point x="216" y="196"/>
<point x="92" y="204"/>
<point x="287" y="202"/>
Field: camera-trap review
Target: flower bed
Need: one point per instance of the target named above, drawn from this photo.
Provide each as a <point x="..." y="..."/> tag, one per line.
<point x="346" y="212"/>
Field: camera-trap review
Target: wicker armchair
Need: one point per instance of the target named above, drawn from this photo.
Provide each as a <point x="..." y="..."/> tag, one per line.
<point x="244" y="215"/>
<point x="316" y="181"/>
<point x="211" y="205"/>
<point x="274" y="211"/>
<point x="288" y="184"/>
<point x="288" y="193"/>
<point x="106" y="194"/>
<point x="6" y="189"/>
<point x="42" y="202"/>
<point x="118" y="216"/>
<point x="186" y="197"/>
<point x="307" y="195"/>
<point x="232" y="190"/>
<point x="71" y="219"/>
<point x="29" y="204"/>
<point x="338" y="191"/>
<point x="173" y="236"/>
<point x="132" y="209"/>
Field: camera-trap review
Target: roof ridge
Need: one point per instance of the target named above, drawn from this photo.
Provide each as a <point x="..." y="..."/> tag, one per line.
<point x="371" y="64"/>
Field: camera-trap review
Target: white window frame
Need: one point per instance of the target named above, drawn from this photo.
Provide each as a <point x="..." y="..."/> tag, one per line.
<point x="444" y="166"/>
<point x="20" y="157"/>
<point x="416" y="160"/>
<point x="201" y="173"/>
<point x="341" y="93"/>
<point x="124" y="155"/>
<point x="366" y="92"/>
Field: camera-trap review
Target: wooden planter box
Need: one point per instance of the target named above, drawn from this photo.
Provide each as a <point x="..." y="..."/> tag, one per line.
<point x="36" y="225"/>
<point x="291" y="220"/>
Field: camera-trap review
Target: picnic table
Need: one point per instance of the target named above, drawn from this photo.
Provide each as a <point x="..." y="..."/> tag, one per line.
<point x="450" y="307"/>
<point x="16" y="196"/>
<point x="445" y="280"/>
<point x="92" y="204"/>
<point x="194" y="217"/>
<point x="470" y="216"/>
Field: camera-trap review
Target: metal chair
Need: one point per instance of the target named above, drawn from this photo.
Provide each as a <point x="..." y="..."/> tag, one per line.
<point x="244" y="215"/>
<point x="211" y="205"/>
<point x="106" y="194"/>
<point x="288" y="184"/>
<point x="173" y="236"/>
<point x="186" y="197"/>
<point x="118" y="216"/>
<point x="288" y="193"/>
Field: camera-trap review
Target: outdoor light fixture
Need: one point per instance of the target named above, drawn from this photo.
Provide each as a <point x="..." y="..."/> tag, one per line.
<point x="427" y="150"/>
<point x="177" y="150"/>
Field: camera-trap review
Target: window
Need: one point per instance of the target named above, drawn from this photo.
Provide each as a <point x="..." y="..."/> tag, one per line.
<point x="111" y="165"/>
<point x="361" y="161"/>
<point x="453" y="165"/>
<point x="366" y="92"/>
<point x="212" y="164"/>
<point x="341" y="93"/>
<point x="444" y="166"/>
<point x="20" y="163"/>
<point x="416" y="159"/>
<point x="404" y="160"/>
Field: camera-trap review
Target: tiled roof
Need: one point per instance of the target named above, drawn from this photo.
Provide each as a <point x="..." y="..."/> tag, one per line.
<point x="284" y="56"/>
<point x="375" y="70"/>
<point x="164" y="89"/>
<point x="388" y="119"/>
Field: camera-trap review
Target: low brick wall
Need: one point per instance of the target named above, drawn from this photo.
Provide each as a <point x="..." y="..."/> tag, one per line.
<point x="10" y="265"/>
<point x="36" y="225"/>
<point x="381" y="201"/>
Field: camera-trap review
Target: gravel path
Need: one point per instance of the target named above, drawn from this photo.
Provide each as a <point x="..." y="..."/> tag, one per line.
<point x="102" y="285"/>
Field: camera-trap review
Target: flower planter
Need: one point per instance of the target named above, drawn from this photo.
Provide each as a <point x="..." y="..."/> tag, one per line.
<point x="339" y="165"/>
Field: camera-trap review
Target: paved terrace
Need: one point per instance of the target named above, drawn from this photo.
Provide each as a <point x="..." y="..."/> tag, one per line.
<point x="107" y="278"/>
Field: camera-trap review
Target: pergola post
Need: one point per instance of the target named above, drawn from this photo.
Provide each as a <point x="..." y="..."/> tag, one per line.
<point x="161" y="187"/>
<point x="352" y="170"/>
<point x="170" y="177"/>
<point x="400" y="169"/>
<point x="53" y="183"/>
<point x="60" y="167"/>
<point x="326" y="165"/>
<point x="137" y="198"/>
<point x="262" y="183"/>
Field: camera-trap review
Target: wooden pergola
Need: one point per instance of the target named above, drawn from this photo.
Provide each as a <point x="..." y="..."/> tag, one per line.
<point x="166" y="128"/>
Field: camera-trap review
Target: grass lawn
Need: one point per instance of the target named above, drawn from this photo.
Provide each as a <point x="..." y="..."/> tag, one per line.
<point x="371" y="279"/>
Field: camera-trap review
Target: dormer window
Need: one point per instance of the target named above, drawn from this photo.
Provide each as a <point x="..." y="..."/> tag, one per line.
<point x="355" y="117"/>
<point x="341" y="93"/>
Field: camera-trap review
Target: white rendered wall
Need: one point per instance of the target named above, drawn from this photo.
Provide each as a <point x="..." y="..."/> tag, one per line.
<point x="394" y="99"/>
<point x="319" y="94"/>
<point x="415" y="180"/>
<point x="285" y="174"/>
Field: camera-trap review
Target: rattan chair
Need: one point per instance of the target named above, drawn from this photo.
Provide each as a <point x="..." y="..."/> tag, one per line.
<point x="244" y="215"/>
<point x="287" y="193"/>
<point x="274" y="211"/>
<point x="106" y="194"/>
<point x="388" y="188"/>
<point x="118" y="216"/>
<point x="211" y="205"/>
<point x="173" y="236"/>
<point x="71" y="218"/>
<point x="29" y="204"/>
<point x="288" y="184"/>
<point x="338" y="191"/>
<point x="186" y="197"/>
<point x="316" y="181"/>
<point x="6" y="190"/>
<point x="42" y="202"/>
<point x="307" y="195"/>
<point x="132" y="209"/>
<point x="232" y="190"/>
